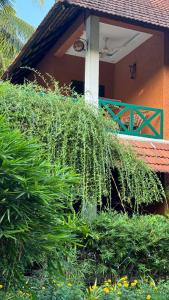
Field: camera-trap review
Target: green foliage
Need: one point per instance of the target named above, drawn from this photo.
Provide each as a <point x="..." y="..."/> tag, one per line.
<point x="4" y="3"/>
<point x="125" y="290"/>
<point x="64" y="292"/>
<point x="33" y="193"/>
<point x="75" y="134"/>
<point x="117" y="290"/>
<point x="14" y="32"/>
<point x="115" y="244"/>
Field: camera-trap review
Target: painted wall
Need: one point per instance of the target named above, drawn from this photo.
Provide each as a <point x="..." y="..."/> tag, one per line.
<point x="147" y="88"/>
<point x="67" y="68"/>
<point x="166" y="86"/>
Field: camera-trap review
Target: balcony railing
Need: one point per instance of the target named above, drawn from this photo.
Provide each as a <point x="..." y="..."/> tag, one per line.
<point x="133" y="119"/>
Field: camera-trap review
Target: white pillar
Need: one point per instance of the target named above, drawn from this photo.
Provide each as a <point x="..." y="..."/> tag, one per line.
<point x="92" y="61"/>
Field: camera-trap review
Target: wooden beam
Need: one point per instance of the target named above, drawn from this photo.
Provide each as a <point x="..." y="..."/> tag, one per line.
<point x="67" y="40"/>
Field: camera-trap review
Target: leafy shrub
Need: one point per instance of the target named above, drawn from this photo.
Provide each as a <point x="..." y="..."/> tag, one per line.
<point x="116" y="244"/>
<point x="73" y="133"/>
<point x="32" y="194"/>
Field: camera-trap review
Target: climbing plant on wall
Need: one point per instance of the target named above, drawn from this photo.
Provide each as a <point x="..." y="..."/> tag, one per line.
<point x="77" y="135"/>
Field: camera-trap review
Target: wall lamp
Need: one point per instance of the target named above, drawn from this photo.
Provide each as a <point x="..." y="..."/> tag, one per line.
<point x="133" y="71"/>
<point x="80" y="45"/>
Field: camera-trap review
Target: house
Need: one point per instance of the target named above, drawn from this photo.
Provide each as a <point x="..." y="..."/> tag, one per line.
<point x="116" y="52"/>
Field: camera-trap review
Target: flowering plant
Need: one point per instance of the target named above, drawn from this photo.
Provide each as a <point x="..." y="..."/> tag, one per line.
<point x="121" y="289"/>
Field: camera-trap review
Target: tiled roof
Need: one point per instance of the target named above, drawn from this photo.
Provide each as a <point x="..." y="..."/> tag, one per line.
<point x="156" y="154"/>
<point x="155" y="12"/>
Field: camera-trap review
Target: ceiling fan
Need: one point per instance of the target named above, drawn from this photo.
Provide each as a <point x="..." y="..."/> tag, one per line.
<point x="109" y="51"/>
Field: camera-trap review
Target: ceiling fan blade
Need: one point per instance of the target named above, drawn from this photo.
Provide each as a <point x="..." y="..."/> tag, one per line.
<point x="112" y="53"/>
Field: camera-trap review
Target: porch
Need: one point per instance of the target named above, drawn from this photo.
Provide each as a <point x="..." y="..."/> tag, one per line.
<point x="121" y="67"/>
<point x="121" y="70"/>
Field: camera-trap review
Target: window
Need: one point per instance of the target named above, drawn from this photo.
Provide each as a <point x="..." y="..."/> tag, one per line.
<point x="78" y="87"/>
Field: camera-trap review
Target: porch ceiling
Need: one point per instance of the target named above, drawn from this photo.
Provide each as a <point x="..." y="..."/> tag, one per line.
<point x="115" y="42"/>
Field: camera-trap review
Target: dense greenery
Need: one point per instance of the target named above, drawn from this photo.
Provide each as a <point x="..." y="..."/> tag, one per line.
<point x="32" y="194"/>
<point x="76" y="135"/>
<point x="115" y="244"/>
<point x="49" y="252"/>
<point x="121" y="289"/>
<point x="4" y="3"/>
<point x="14" y="32"/>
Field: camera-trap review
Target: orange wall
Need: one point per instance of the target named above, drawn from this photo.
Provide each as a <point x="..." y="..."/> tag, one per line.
<point x="166" y="86"/>
<point x="68" y="67"/>
<point x="147" y="88"/>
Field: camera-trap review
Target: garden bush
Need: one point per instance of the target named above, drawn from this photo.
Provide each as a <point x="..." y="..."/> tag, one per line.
<point x="34" y="196"/>
<point x="45" y="136"/>
<point x="76" y="135"/>
<point x="115" y="244"/>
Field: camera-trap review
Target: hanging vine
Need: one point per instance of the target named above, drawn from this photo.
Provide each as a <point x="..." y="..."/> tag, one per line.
<point x="75" y="134"/>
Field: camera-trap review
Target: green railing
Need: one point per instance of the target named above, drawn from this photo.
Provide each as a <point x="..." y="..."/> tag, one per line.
<point x="133" y="119"/>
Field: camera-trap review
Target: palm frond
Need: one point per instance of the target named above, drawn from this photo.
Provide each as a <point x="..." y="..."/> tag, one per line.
<point x="41" y="2"/>
<point x="14" y="32"/>
<point x="14" y="25"/>
<point x="4" y="3"/>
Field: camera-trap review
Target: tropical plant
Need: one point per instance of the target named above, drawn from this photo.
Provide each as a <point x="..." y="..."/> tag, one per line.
<point x="5" y="3"/>
<point x="115" y="244"/>
<point x="76" y="135"/>
<point x="34" y="196"/>
<point x="14" y="32"/>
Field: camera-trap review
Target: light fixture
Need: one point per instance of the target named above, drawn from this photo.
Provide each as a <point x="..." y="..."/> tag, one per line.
<point x="133" y="70"/>
<point x="80" y="45"/>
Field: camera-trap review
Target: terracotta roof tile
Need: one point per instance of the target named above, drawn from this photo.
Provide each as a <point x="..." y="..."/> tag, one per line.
<point x="156" y="154"/>
<point x="155" y="12"/>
